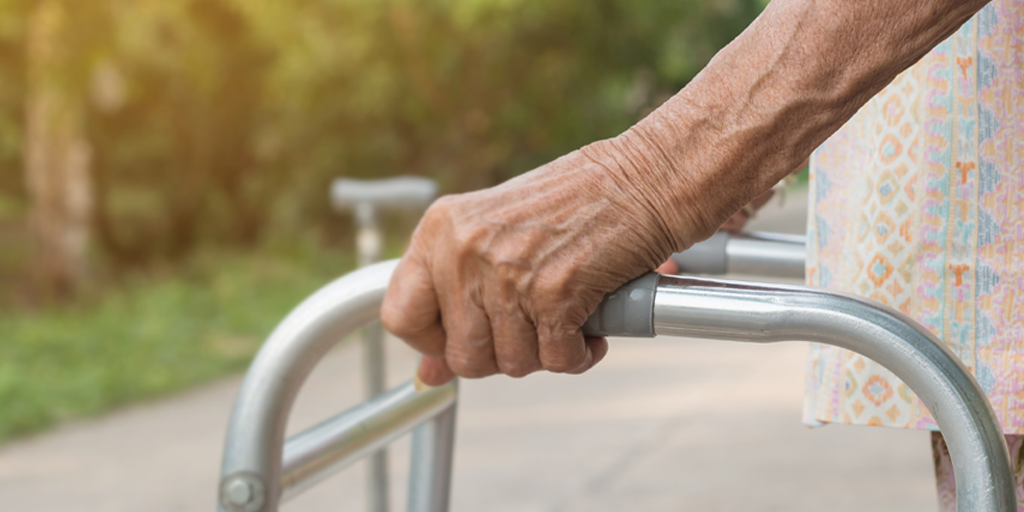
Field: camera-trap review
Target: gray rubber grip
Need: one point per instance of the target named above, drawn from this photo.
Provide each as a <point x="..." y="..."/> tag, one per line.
<point x="628" y="311"/>
<point x="400" y="192"/>
<point x="707" y="257"/>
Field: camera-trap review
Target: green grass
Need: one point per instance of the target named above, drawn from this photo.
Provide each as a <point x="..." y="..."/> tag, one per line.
<point x="149" y="337"/>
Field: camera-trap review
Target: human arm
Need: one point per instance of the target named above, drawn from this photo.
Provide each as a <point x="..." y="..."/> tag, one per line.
<point x="734" y="225"/>
<point x="501" y="280"/>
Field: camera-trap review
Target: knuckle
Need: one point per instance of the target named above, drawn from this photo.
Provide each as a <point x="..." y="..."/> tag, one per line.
<point x="561" y="351"/>
<point x="468" y="366"/>
<point x="516" y="369"/>
<point x="396" y="320"/>
<point x="464" y="248"/>
<point x="560" y="365"/>
<point x="437" y="216"/>
<point x="469" y="241"/>
<point x="441" y="208"/>
<point x="553" y="288"/>
<point x="547" y="285"/>
<point x="472" y="372"/>
<point x="390" y="318"/>
<point x="445" y="201"/>
<point x="564" y="361"/>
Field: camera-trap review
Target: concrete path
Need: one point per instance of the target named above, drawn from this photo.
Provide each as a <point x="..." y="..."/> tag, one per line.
<point x="663" y="424"/>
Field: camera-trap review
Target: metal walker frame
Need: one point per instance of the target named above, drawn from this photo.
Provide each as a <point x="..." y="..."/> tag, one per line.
<point x="366" y="198"/>
<point x="261" y="469"/>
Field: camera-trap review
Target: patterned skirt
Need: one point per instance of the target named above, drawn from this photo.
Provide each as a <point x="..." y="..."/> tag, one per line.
<point x="918" y="202"/>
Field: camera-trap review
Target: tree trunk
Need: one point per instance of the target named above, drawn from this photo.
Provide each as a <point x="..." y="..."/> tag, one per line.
<point x="56" y="157"/>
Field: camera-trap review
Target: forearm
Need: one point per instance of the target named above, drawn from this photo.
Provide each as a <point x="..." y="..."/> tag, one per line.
<point x="500" y="280"/>
<point x="760" y="107"/>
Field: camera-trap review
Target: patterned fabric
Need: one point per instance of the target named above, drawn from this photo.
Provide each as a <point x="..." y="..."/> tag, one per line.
<point x="946" y="483"/>
<point x="918" y="202"/>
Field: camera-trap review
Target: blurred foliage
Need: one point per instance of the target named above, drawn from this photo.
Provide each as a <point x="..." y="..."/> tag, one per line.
<point x="215" y="127"/>
<point x="12" y="92"/>
<point x="222" y="121"/>
<point x="157" y="334"/>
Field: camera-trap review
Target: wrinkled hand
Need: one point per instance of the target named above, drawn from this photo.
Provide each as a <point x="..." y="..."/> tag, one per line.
<point x="501" y="280"/>
<point x="734" y="225"/>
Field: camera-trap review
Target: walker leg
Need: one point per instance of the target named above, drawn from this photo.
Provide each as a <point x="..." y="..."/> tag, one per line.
<point x="430" y="477"/>
<point x="373" y="373"/>
<point x="368" y="244"/>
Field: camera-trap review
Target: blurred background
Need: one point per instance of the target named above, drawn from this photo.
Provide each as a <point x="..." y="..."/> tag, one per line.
<point x="165" y="168"/>
<point x="164" y="164"/>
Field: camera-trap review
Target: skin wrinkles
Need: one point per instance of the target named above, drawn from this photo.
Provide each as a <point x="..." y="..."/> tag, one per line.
<point x="500" y="280"/>
<point x="484" y="237"/>
<point x="515" y="341"/>
<point x="530" y="252"/>
<point x="640" y="147"/>
<point x="623" y="184"/>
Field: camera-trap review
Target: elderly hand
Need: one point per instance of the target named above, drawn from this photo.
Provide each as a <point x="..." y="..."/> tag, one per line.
<point x="500" y="280"/>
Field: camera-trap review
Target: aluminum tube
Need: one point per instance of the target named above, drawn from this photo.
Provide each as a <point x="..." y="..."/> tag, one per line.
<point x="754" y="253"/>
<point x="703" y="308"/>
<point x="369" y="243"/>
<point x="320" y="451"/>
<point x="251" y="465"/>
<point x="707" y="257"/>
<point x="766" y="254"/>
<point x="373" y="385"/>
<point x="430" y="476"/>
<point x="373" y="360"/>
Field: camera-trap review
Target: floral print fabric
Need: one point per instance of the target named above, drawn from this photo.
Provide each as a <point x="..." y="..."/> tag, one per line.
<point x="918" y="202"/>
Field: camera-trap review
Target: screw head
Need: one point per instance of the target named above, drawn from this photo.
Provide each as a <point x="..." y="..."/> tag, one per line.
<point x="242" y="492"/>
<point x="238" y="492"/>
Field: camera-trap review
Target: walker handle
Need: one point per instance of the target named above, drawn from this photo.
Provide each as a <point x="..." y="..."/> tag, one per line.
<point x="399" y="192"/>
<point x="628" y="311"/>
<point x="654" y="304"/>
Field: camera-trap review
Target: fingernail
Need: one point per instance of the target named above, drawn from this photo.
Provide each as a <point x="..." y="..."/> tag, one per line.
<point x="418" y="383"/>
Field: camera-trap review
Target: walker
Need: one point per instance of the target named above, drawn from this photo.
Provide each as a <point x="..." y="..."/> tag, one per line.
<point x="261" y="469"/>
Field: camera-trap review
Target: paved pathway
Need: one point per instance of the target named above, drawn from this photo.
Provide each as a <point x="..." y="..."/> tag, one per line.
<point x="663" y="424"/>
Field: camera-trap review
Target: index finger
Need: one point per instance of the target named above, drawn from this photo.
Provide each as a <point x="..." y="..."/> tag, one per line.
<point x="410" y="309"/>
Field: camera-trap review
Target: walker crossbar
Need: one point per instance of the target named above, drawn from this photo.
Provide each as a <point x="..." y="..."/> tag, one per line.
<point x="336" y="443"/>
<point x="257" y="471"/>
<point x="754" y="253"/>
<point x="252" y="479"/>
